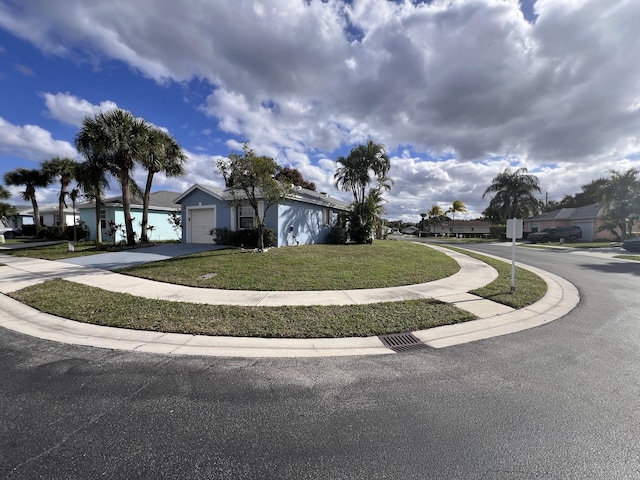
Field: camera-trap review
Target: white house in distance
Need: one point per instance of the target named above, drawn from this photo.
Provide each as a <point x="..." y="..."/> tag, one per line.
<point x="304" y="215"/>
<point x="49" y="216"/>
<point x="162" y="205"/>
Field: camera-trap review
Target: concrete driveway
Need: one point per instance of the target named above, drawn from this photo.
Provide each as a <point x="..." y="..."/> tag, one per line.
<point x="137" y="256"/>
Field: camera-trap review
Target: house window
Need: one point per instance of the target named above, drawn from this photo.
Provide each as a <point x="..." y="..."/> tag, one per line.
<point x="245" y="217"/>
<point x="325" y="216"/>
<point x="103" y="219"/>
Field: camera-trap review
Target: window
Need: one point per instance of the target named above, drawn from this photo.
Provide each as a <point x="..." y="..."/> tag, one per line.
<point x="103" y="219"/>
<point x="245" y="217"/>
<point x="325" y="216"/>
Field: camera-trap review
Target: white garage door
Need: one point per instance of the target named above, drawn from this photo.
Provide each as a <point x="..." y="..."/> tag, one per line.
<point x="587" y="230"/>
<point x="202" y="221"/>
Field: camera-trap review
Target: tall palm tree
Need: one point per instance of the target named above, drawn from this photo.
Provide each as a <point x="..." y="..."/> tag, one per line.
<point x="434" y="214"/>
<point x="31" y="179"/>
<point x="164" y="155"/>
<point x="65" y="169"/>
<point x="354" y="172"/>
<point x="456" y="206"/>
<point x="119" y="140"/>
<point x="621" y="198"/>
<point x="91" y="176"/>
<point x="365" y="164"/>
<point x="514" y="193"/>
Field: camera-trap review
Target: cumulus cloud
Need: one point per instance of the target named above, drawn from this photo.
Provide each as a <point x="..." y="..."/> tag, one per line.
<point x="72" y="110"/>
<point x="469" y="87"/>
<point x="32" y="142"/>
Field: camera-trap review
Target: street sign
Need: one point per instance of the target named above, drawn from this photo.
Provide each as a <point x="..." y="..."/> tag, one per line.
<point x="514" y="228"/>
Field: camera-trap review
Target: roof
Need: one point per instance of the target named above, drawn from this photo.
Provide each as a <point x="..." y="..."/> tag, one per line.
<point x="595" y="210"/>
<point x="46" y="208"/>
<point x="161" y="200"/>
<point x="299" y="194"/>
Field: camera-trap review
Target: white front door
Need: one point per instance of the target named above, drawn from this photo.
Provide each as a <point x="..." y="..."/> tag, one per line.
<point x="202" y="221"/>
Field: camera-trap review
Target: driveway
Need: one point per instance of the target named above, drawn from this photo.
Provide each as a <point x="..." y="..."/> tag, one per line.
<point x="137" y="256"/>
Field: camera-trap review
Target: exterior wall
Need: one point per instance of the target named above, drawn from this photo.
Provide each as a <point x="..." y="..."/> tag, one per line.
<point x="302" y="223"/>
<point x="159" y="219"/>
<point x="539" y="225"/>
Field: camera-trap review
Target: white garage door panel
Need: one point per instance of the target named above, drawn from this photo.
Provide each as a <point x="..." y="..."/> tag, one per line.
<point x="202" y="221"/>
<point x="587" y="230"/>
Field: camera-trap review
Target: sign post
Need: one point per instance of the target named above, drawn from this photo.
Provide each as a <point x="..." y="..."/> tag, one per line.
<point x="514" y="230"/>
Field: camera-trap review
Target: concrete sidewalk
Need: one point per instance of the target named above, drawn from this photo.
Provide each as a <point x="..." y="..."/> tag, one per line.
<point x="494" y="319"/>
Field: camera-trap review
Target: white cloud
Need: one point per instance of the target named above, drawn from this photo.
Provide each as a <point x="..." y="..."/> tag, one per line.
<point x="72" y="110"/>
<point x="468" y="81"/>
<point x="32" y="142"/>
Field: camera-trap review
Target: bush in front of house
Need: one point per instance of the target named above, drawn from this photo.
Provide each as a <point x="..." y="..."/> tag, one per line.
<point x="245" y="238"/>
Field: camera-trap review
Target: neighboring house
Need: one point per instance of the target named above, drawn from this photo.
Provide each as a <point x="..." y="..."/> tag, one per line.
<point x="411" y="230"/>
<point x="303" y="217"/>
<point x="589" y="218"/>
<point x="462" y="228"/>
<point x="161" y="205"/>
<point x="49" y="216"/>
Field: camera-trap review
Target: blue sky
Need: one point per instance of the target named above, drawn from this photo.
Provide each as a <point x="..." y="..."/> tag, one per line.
<point x="457" y="90"/>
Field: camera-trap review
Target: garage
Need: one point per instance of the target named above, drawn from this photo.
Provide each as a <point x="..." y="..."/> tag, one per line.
<point x="201" y="222"/>
<point x="587" y="230"/>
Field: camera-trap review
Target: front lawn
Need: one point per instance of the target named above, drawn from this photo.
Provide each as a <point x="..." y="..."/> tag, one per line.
<point x="307" y="267"/>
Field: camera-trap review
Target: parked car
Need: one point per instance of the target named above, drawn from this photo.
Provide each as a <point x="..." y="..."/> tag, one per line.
<point x="632" y="244"/>
<point x="9" y="232"/>
<point x="554" y="234"/>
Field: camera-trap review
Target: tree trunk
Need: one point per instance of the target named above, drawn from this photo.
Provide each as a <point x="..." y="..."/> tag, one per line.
<point x="126" y="207"/>
<point x="36" y="214"/>
<point x="145" y="209"/>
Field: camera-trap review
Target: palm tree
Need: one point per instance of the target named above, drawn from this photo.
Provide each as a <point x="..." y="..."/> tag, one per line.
<point x="621" y="198"/>
<point x="456" y="206"/>
<point x="5" y="208"/>
<point x="365" y="164"/>
<point x="354" y="172"/>
<point x="164" y="155"/>
<point x="435" y="213"/>
<point x="118" y="140"/>
<point x="31" y="179"/>
<point x="92" y="180"/>
<point x="515" y="194"/>
<point x="65" y="168"/>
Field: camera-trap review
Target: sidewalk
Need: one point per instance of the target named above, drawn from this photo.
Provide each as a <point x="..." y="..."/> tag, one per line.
<point x="494" y="319"/>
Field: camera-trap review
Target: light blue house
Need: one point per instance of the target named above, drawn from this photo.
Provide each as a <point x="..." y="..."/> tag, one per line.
<point x="162" y="205"/>
<point x="303" y="217"/>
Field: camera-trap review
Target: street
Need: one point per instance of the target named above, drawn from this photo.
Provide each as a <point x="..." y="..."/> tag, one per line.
<point x="558" y="401"/>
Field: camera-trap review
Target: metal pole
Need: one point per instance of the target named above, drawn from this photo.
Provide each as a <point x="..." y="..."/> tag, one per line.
<point x="513" y="259"/>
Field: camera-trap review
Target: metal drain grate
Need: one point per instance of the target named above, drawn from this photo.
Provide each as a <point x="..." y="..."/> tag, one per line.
<point x="402" y="342"/>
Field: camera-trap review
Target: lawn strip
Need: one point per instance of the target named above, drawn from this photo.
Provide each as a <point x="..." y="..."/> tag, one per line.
<point x="307" y="267"/>
<point x="529" y="287"/>
<point x="93" y="305"/>
<point x="628" y="257"/>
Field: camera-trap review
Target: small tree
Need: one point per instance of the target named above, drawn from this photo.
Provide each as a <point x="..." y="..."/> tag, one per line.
<point x="253" y="180"/>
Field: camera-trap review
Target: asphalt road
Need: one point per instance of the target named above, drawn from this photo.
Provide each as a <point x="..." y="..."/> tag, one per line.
<point x="557" y="401"/>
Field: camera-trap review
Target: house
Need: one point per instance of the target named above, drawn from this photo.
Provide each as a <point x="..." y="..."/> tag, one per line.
<point x="49" y="216"/>
<point x="410" y="230"/>
<point x="302" y="217"/>
<point x="462" y="228"/>
<point x="162" y="204"/>
<point x="589" y="218"/>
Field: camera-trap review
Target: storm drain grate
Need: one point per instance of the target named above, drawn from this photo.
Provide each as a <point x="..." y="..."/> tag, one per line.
<point x="402" y="342"/>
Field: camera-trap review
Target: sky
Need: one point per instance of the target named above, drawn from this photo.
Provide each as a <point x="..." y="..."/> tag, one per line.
<point x="457" y="90"/>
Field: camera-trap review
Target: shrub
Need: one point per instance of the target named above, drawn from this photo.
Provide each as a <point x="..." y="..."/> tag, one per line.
<point x="338" y="234"/>
<point x="246" y="238"/>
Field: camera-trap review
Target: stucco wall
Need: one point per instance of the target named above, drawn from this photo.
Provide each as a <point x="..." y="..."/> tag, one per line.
<point x="306" y="221"/>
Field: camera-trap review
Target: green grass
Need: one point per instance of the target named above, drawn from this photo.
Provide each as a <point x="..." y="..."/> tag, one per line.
<point x="628" y="257"/>
<point x="307" y="267"/>
<point x="58" y="251"/>
<point x="100" y="307"/>
<point x="529" y="287"/>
